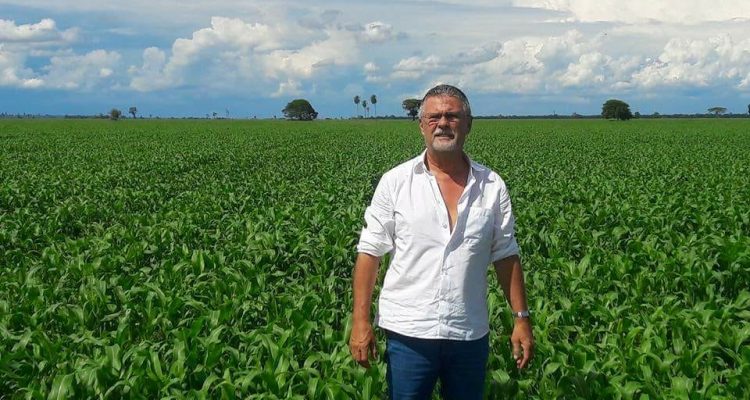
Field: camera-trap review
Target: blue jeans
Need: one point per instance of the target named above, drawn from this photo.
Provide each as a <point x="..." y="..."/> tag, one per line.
<point x="415" y="365"/>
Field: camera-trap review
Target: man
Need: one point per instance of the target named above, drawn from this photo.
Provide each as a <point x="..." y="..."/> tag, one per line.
<point x="444" y="219"/>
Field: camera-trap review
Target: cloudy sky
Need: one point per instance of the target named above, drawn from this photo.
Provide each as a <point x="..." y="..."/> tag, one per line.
<point x="250" y="57"/>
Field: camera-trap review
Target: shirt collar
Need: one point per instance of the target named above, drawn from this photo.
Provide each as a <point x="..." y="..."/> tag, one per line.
<point x="420" y="166"/>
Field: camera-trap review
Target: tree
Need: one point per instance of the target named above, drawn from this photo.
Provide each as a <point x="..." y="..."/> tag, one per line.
<point x="412" y="107"/>
<point x="364" y="107"/>
<point x="114" y="114"/>
<point x="300" y="109"/>
<point x="356" y="103"/>
<point x="374" y="101"/>
<point x="616" y="109"/>
<point x="717" y="110"/>
<point x="132" y="110"/>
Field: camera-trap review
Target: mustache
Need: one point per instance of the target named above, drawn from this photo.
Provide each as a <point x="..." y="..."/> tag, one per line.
<point x="441" y="132"/>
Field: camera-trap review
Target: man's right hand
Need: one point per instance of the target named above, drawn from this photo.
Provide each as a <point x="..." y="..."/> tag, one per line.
<point x="362" y="343"/>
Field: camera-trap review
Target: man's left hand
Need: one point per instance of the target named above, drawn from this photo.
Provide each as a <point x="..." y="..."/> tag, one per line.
<point x="522" y="342"/>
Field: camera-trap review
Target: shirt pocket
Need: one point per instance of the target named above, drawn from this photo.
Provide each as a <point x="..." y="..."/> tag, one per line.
<point x="479" y="225"/>
<point x="474" y="253"/>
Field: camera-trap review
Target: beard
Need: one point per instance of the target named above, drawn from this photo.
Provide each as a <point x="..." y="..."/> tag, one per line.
<point x="440" y="142"/>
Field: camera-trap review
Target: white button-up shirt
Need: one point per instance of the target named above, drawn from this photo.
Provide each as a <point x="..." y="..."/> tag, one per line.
<point x="436" y="283"/>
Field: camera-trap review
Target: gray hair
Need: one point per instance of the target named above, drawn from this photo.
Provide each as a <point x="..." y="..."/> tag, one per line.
<point x="446" y="90"/>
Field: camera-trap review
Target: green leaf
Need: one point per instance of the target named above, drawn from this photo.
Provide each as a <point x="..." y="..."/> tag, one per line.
<point x="62" y="388"/>
<point x="551" y="368"/>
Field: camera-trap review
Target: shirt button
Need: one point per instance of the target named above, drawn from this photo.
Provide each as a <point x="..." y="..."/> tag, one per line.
<point x="445" y="225"/>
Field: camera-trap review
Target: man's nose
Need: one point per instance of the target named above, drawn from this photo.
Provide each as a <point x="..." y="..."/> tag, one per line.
<point x="443" y="121"/>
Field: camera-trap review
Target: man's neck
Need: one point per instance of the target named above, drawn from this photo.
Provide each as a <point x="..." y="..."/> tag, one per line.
<point x="452" y="164"/>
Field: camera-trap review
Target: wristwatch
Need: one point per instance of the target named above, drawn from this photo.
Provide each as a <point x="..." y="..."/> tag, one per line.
<point x="521" y="314"/>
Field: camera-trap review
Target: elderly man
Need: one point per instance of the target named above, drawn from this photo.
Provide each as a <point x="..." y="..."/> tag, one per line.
<point x="443" y="218"/>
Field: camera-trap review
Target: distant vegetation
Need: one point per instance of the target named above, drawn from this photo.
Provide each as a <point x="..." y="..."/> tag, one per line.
<point x="411" y="106"/>
<point x="612" y="109"/>
<point x="616" y="109"/>
<point x="717" y="110"/>
<point x="300" y="109"/>
<point x="114" y="114"/>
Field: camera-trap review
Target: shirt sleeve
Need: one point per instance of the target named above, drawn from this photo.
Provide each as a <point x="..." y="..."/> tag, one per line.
<point x="377" y="236"/>
<point x="504" y="238"/>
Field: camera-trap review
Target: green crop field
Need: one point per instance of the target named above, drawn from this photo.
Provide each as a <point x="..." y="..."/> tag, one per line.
<point x="189" y="259"/>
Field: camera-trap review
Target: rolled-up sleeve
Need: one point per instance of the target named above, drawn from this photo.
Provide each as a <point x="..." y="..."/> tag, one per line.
<point x="504" y="238"/>
<point x="377" y="236"/>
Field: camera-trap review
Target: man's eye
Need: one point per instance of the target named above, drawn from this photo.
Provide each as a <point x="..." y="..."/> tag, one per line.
<point x="434" y="119"/>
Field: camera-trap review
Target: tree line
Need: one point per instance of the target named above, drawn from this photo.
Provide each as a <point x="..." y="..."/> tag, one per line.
<point x="365" y="107"/>
<point x="302" y="110"/>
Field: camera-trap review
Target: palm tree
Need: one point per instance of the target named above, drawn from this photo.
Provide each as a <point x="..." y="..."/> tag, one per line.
<point x="364" y="107"/>
<point x="374" y="101"/>
<point x="356" y="103"/>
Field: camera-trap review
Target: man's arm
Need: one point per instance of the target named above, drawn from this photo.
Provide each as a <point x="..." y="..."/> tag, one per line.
<point x="362" y="342"/>
<point x="510" y="275"/>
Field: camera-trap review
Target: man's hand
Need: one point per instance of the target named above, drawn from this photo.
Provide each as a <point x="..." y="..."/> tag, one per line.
<point x="522" y="342"/>
<point x="362" y="340"/>
<point x="362" y="343"/>
<point x="510" y="275"/>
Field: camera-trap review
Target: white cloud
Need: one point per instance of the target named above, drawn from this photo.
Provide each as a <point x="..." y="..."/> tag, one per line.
<point x="370" y="67"/>
<point x="321" y="20"/>
<point x="65" y="70"/>
<point x="230" y="40"/>
<point x="149" y="76"/>
<point x="745" y="83"/>
<point x="573" y="61"/>
<point x="515" y="67"/>
<point x="372" y="73"/>
<point x="377" y="32"/>
<point x="224" y="33"/>
<point x="80" y="71"/>
<point x="288" y="88"/>
<point x="698" y="63"/>
<point x="13" y="72"/>
<point x="44" y="31"/>
<point x="637" y="11"/>
<point x="415" y="67"/>
<point x="232" y="52"/>
<point x="588" y="70"/>
<point x="338" y="49"/>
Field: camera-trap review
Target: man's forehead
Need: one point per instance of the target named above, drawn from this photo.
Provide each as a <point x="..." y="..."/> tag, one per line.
<point x="442" y="103"/>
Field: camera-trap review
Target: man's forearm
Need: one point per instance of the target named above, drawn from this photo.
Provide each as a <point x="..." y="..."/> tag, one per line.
<point x="365" y="274"/>
<point x="510" y="275"/>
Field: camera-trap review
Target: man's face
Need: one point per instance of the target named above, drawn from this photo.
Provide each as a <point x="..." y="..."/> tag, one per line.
<point x="444" y="124"/>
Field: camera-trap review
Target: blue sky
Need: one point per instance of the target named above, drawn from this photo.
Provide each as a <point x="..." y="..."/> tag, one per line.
<point x="192" y="58"/>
